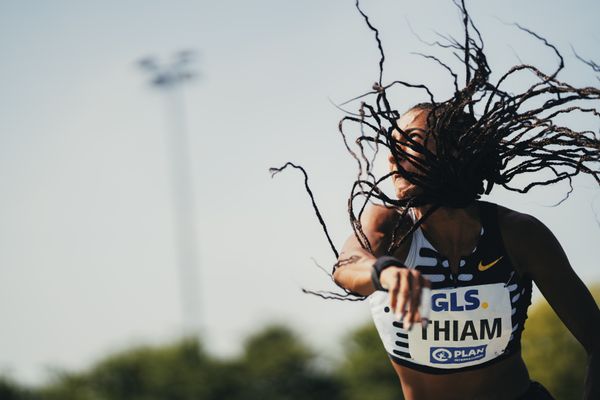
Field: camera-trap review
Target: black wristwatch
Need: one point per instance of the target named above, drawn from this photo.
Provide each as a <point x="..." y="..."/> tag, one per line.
<point x="380" y="264"/>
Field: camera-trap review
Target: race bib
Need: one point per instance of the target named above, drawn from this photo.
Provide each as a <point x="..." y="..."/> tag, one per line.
<point x="468" y="326"/>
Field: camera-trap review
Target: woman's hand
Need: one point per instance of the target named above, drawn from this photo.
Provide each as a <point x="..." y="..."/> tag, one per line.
<point x="405" y="287"/>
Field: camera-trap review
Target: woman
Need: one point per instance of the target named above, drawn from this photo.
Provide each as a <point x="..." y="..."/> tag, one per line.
<point x="479" y="261"/>
<point x="472" y="263"/>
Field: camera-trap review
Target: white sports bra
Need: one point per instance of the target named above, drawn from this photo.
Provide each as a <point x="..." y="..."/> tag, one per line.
<point x="476" y="316"/>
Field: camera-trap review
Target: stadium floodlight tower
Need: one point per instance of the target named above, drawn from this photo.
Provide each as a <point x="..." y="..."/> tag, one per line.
<point x="169" y="78"/>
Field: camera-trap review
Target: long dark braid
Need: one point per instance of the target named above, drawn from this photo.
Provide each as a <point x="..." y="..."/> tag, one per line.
<point x="485" y="136"/>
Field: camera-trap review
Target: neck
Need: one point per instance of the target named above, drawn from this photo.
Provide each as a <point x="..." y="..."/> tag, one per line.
<point x="453" y="231"/>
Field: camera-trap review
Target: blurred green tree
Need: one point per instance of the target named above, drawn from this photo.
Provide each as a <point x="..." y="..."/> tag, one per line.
<point x="275" y="365"/>
<point x="175" y="372"/>
<point x="278" y="366"/>
<point x="11" y="390"/>
<point x="366" y="372"/>
<point x="552" y="354"/>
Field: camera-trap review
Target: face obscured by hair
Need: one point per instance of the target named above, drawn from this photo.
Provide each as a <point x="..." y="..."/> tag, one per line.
<point x="414" y="124"/>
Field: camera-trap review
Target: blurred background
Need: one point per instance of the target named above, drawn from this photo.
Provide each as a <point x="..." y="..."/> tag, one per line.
<point x="145" y="250"/>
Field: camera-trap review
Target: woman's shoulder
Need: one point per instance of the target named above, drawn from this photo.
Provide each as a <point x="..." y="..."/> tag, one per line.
<point x="383" y="218"/>
<point x="523" y="235"/>
<point x="516" y="222"/>
<point x="380" y="222"/>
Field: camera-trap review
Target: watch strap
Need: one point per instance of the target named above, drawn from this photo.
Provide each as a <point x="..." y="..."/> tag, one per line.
<point x="380" y="264"/>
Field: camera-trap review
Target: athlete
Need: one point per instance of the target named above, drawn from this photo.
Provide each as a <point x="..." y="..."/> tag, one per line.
<point x="475" y="265"/>
<point x="448" y="276"/>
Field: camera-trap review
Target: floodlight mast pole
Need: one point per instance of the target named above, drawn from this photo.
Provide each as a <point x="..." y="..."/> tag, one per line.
<point x="169" y="79"/>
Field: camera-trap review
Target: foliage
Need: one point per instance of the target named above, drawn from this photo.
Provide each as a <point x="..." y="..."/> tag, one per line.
<point x="276" y="365"/>
<point x="552" y="354"/>
<point x="10" y="390"/>
<point x="174" y="372"/>
<point x="366" y="371"/>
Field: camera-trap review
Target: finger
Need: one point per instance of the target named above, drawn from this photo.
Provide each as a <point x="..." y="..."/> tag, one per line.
<point x="403" y="294"/>
<point x="426" y="282"/>
<point x="425" y="298"/>
<point x="418" y="316"/>
<point x="394" y="292"/>
<point x="425" y="304"/>
<point x="424" y="309"/>
<point x="415" y="295"/>
<point x="413" y="300"/>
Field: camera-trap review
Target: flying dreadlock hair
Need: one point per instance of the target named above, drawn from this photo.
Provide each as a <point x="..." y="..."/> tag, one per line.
<point x="511" y="135"/>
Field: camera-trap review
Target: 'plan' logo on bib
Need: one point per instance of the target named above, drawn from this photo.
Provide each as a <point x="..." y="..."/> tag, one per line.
<point x="456" y="355"/>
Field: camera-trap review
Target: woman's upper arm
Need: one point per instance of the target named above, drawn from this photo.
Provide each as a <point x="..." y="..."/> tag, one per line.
<point x="538" y="254"/>
<point x="374" y="222"/>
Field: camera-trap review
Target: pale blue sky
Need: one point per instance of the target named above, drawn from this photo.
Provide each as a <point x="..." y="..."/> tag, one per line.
<point x="87" y="262"/>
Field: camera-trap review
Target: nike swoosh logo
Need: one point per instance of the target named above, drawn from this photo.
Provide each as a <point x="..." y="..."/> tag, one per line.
<point x="485" y="267"/>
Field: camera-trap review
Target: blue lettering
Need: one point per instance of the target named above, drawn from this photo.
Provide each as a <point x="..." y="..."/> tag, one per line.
<point x="456" y="355"/>
<point x="441" y="302"/>
<point x="436" y="304"/>
<point x="471" y="299"/>
<point x="454" y="304"/>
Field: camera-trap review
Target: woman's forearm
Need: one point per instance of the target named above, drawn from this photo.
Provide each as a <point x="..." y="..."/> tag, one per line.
<point x="353" y="272"/>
